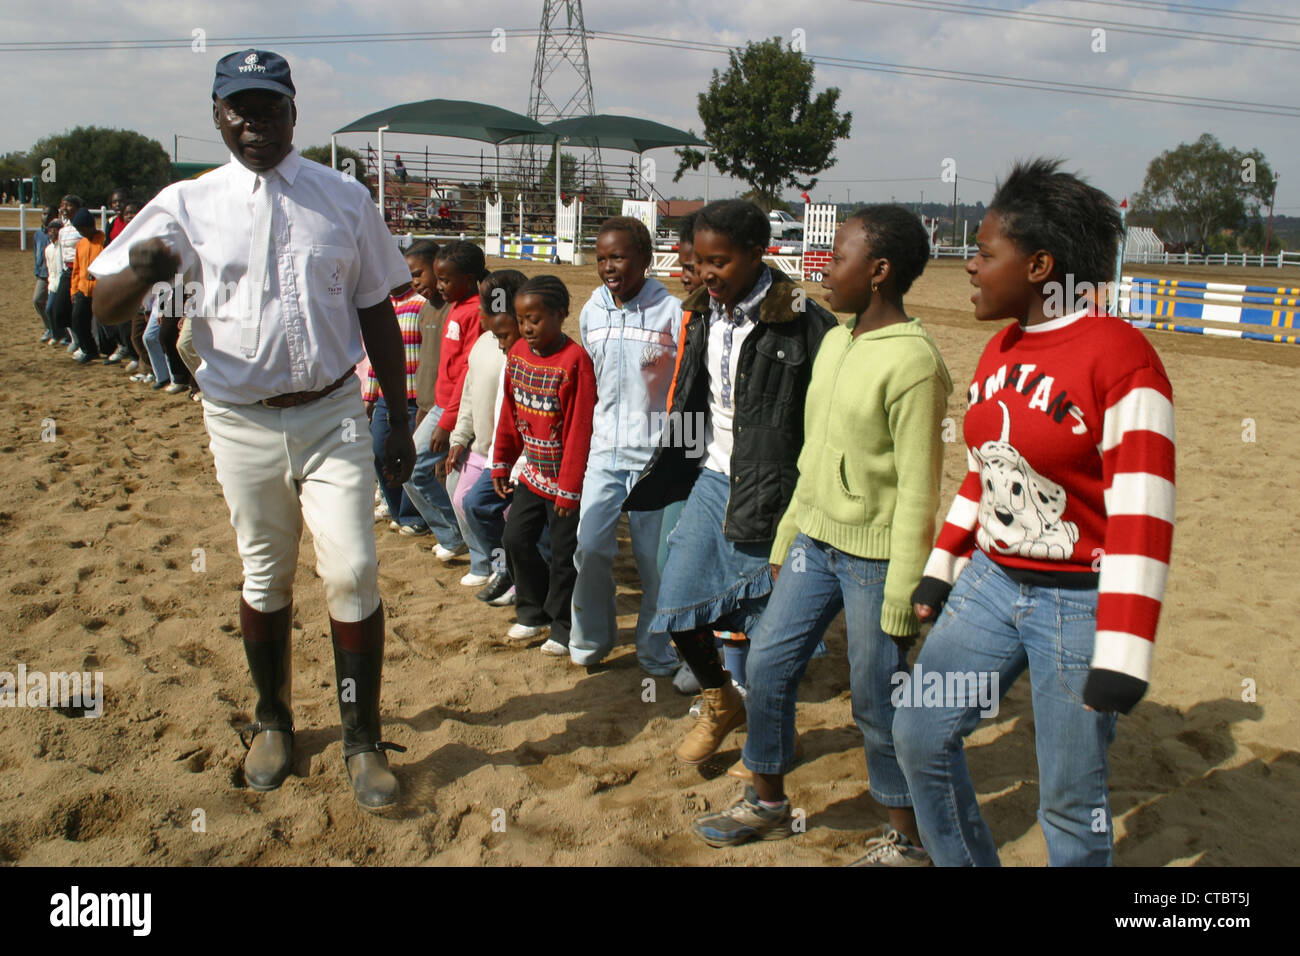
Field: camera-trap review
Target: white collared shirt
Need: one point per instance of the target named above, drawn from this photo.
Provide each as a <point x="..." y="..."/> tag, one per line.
<point x="727" y="334"/>
<point x="331" y="255"/>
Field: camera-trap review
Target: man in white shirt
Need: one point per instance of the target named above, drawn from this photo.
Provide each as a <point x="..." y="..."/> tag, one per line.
<point x="284" y="267"/>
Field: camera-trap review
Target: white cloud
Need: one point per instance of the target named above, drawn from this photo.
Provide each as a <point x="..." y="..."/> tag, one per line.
<point x="903" y="125"/>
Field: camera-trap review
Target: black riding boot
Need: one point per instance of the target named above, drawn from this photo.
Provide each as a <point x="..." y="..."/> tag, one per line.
<point x="267" y="645"/>
<point x="358" y="666"/>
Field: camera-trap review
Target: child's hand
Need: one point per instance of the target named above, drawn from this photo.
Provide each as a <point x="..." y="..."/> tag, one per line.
<point x="563" y="512"/>
<point x="502" y="487"/>
<point x="453" y="458"/>
<point x="438" y="442"/>
<point x="776" y="569"/>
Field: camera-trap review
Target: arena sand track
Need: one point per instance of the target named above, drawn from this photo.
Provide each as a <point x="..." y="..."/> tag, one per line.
<point x="99" y="528"/>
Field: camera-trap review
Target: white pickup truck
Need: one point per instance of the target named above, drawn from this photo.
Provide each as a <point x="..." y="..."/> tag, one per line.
<point x="784" y="225"/>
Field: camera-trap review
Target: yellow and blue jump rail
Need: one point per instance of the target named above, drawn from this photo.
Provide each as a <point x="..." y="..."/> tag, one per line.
<point x="1146" y="302"/>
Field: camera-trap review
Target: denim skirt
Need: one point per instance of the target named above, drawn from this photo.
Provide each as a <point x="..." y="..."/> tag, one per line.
<point x="707" y="580"/>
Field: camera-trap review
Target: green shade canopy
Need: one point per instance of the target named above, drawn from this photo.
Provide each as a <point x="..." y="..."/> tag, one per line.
<point x="604" y="131"/>
<point x="459" y="119"/>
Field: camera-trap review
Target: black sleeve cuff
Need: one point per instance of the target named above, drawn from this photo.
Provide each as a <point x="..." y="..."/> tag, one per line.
<point x="1112" y="691"/>
<point x="932" y="592"/>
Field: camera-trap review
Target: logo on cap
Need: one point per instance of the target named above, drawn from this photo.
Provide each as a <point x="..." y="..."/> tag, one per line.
<point x="251" y="59"/>
<point x="251" y="65"/>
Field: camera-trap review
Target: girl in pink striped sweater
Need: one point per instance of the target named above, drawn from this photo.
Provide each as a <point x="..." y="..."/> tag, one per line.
<point x="1054" y="554"/>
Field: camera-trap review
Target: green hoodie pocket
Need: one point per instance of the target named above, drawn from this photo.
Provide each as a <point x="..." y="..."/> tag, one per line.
<point x="836" y="499"/>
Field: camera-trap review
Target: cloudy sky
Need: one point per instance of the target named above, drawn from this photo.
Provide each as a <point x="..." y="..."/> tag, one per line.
<point x="904" y="126"/>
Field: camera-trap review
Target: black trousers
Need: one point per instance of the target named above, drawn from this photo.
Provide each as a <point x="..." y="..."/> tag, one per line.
<point x="82" y="322"/>
<point x="543" y="595"/>
<point x="169" y="331"/>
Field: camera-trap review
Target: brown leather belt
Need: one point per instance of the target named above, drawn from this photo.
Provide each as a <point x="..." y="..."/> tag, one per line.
<point x="302" y="398"/>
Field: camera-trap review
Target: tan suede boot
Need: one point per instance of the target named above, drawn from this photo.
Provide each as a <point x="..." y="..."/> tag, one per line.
<point x="741" y="772"/>
<point x="722" y="710"/>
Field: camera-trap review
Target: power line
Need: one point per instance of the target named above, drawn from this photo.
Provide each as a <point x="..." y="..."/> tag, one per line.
<point x="988" y="79"/>
<point x="1050" y="19"/>
<point x="237" y="42"/>
<point x="1196" y="10"/>
<point x="699" y="46"/>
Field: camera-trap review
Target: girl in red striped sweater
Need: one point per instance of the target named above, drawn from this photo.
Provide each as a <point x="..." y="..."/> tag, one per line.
<point x="546" y="413"/>
<point x="1054" y="554"/>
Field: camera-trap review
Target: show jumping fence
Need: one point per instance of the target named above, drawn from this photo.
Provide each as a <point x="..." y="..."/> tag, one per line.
<point x="1211" y="308"/>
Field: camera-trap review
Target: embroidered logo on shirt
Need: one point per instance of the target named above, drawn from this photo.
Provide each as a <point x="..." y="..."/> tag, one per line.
<point x="650" y="355"/>
<point x="335" y="286"/>
<point x="453" y="331"/>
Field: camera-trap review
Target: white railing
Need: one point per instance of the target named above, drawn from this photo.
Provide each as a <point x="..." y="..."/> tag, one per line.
<point x="29" y="219"/>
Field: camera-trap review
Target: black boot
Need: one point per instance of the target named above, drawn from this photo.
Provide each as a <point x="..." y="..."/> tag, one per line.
<point x="359" y="659"/>
<point x="267" y="645"/>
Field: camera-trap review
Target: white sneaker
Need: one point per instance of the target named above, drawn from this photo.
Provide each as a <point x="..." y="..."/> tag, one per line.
<point x="893" y="849"/>
<point x="175" y="388"/>
<point x="525" y="632"/>
<point x="78" y="354"/>
<point x="446" y="554"/>
<point x="381" y="512"/>
<point x="473" y="580"/>
<point x="504" y="600"/>
<point x="554" y="648"/>
<point x="132" y="366"/>
<point x="379" y="496"/>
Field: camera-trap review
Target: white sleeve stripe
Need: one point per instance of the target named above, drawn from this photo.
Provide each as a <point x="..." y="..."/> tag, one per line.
<point x="1143" y="409"/>
<point x="1140" y="493"/>
<point x="1123" y="652"/>
<point x="1133" y="574"/>
<point x="963" y="513"/>
<point x="943" y="565"/>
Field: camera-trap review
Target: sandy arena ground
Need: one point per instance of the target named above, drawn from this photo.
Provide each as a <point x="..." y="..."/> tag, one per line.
<point x="99" y="531"/>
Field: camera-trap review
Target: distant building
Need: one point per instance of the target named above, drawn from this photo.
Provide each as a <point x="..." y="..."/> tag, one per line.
<point x="676" y="208"/>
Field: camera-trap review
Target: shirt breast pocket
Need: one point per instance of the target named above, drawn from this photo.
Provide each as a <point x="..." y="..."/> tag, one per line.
<point x="778" y="370"/>
<point x="331" y="274"/>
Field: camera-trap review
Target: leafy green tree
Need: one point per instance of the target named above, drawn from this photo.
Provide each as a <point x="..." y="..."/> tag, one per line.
<point x="1196" y="190"/>
<point x="357" y="165"/>
<point x="92" y="161"/>
<point x="764" y="123"/>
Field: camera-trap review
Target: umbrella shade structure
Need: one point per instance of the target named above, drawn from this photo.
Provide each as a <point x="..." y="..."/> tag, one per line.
<point x="460" y="119"/>
<point x="606" y="131"/>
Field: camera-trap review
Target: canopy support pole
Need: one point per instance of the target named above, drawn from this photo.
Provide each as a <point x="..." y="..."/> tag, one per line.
<point x="334" y="151"/>
<point x="382" y="203"/>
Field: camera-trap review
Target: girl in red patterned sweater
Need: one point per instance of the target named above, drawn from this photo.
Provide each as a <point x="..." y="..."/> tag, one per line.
<point x="546" y="413"/>
<point x="1054" y="554"/>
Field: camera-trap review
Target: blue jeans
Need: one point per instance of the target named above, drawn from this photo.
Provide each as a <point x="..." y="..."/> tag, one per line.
<point x="426" y="492"/>
<point x="815" y="583"/>
<point x="157" y="356"/>
<point x="595" y="623"/>
<point x="485" y="517"/>
<point x="994" y="626"/>
<point x="400" y="507"/>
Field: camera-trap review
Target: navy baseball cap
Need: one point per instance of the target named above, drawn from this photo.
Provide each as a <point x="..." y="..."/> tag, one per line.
<point x="252" y="70"/>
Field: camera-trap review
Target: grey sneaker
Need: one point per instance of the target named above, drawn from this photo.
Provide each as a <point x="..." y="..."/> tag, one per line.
<point x="893" y="849"/>
<point x="744" y="820"/>
<point x="685" y="681"/>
